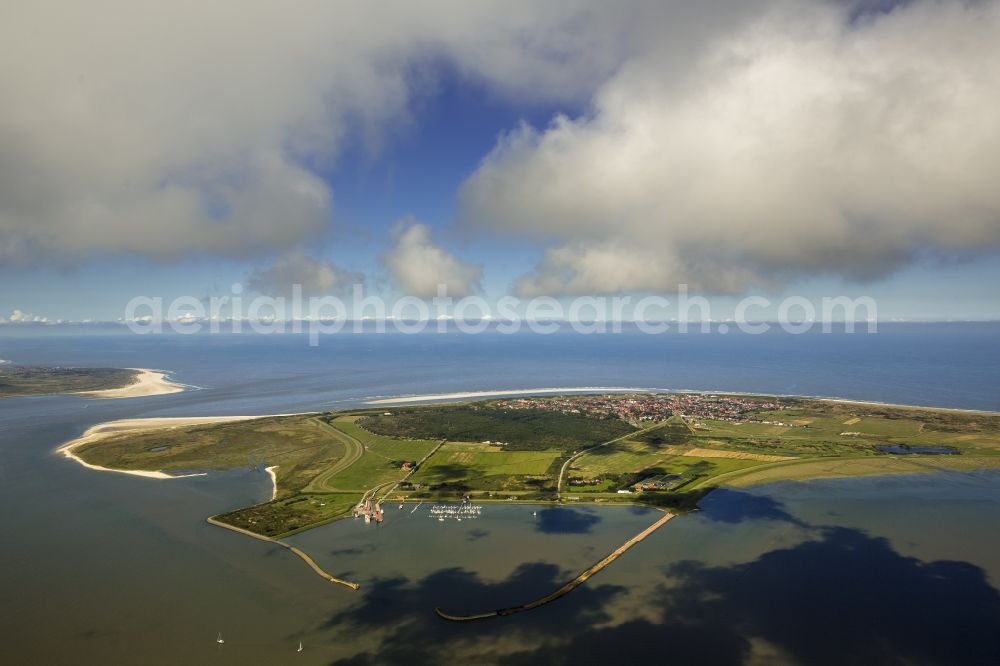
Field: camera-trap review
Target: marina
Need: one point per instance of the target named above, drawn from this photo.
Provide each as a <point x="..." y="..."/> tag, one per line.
<point x="457" y="512"/>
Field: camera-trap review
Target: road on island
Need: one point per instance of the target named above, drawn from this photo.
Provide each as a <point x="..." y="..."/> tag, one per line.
<point x="353" y="450"/>
<point x="562" y="470"/>
<point x="414" y="468"/>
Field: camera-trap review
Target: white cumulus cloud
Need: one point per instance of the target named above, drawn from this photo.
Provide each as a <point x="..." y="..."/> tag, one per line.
<point x="315" y="277"/>
<point x="417" y="265"/>
<point x="21" y="317"/>
<point x="804" y="141"/>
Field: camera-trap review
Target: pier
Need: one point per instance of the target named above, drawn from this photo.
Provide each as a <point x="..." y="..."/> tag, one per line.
<point x="287" y="546"/>
<point x="565" y="589"/>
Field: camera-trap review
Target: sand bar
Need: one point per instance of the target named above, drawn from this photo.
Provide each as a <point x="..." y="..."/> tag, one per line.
<point x="274" y="480"/>
<point x="149" y="382"/>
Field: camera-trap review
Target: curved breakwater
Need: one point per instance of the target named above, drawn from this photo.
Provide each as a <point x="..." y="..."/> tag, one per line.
<point x="565" y="589"/>
<point x="300" y="554"/>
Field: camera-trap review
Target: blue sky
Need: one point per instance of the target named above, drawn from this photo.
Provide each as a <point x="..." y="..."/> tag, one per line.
<point x="566" y="152"/>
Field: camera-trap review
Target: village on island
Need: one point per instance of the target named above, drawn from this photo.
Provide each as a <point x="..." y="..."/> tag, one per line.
<point x="652" y="406"/>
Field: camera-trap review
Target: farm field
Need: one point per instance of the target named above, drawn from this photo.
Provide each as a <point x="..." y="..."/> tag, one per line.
<point x="483" y="466"/>
<point x="375" y="459"/>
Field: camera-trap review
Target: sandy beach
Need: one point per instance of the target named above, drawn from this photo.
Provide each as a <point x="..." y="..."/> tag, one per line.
<point x="512" y="392"/>
<point x="274" y="480"/>
<point x="149" y="382"/>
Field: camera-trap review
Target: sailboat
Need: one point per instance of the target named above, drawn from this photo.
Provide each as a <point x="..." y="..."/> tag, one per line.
<point x="300" y="647"/>
<point x="219" y="639"/>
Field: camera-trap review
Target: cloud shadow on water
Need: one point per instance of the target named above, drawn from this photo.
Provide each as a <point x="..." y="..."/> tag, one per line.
<point x="354" y="550"/>
<point x="725" y="505"/>
<point x="560" y="520"/>
<point x="416" y="635"/>
<point x="845" y="597"/>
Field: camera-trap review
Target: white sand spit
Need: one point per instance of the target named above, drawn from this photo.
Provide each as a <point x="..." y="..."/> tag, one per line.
<point x="149" y="382"/>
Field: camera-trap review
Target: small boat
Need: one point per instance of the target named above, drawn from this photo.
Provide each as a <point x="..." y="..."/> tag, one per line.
<point x="440" y="520"/>
<point x="219" y="639"/>
<point x="300" y="647"/>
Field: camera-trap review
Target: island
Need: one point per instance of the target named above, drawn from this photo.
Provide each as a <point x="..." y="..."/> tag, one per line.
<point x="664" y="450"/>
<point x="101" y="383"/>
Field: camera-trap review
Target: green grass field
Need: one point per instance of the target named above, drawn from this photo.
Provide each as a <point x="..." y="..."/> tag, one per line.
<point x="375" y="464"/>
<point x="520" y="430"/>
<point x="671" y="432"/>
<point x="293" y="513"/>
<point x="818" y="468"/>
<point x="474" y="465"/>
<point x="300" y="446"/>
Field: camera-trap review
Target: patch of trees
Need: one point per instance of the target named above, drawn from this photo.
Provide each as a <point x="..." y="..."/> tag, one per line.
<point x="520" y="430"/>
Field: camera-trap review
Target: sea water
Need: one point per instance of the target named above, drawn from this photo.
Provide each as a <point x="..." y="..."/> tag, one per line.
<point x="109" y="568"/>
